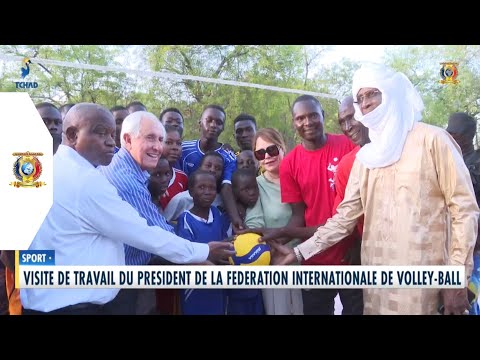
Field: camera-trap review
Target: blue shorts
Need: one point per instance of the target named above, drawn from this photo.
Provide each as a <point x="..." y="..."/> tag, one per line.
<point x="203" y="301"/>
<point x="245" y="302"/>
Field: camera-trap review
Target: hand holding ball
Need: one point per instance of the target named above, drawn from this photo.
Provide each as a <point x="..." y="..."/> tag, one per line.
<point x="250" y="251"/>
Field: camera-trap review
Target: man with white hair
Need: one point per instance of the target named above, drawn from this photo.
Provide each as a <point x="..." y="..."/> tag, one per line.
<point x="405" y="182"/>
<point x="88" y="223"/>
<point x="141" y="139"/>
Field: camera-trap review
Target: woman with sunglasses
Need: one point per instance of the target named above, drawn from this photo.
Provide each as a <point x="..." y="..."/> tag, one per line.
<point x="270" y="212"/>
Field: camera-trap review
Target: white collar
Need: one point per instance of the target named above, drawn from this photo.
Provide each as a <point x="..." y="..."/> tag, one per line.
<point x="210" y="217"/>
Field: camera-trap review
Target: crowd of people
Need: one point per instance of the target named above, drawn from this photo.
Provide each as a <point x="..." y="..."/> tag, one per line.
<point x="390" y="190"/>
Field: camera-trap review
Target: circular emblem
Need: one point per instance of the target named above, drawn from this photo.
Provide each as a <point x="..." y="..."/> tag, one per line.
<point x="448" y="73"/>
<point x="27" y="169"/>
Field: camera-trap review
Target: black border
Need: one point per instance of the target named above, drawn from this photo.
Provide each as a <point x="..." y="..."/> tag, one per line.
<point x="241" y="23"/>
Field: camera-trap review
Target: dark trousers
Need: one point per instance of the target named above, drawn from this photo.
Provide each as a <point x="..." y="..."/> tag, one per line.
<point x="132" y="302"/>
<point x="245" y="302"/>
<point x="78" y="309"/>
<point x="3" y="292"/>
<point x="322" y="301"/>
<point x="125" y="303"/>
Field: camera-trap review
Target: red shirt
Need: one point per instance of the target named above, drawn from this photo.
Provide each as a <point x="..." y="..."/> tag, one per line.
<point x="308" y="176"/>
<point x="178" y="184"/>
<point x="341" y="181"/>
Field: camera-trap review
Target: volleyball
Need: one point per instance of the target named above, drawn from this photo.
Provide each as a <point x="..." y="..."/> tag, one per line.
<point x="250" y="251"/>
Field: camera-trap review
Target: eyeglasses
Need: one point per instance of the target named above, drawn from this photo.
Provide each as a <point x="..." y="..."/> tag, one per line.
<point x="271" y="150"/>
<point x="367" y="95"/>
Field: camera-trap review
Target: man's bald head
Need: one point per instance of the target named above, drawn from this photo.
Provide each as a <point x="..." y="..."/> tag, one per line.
<point x="346" y="103"/>
<point x="346" y="108"/>
<point x="90" y="130"/>
<point x="352" y="128"/>
<point x="83" y="113"/>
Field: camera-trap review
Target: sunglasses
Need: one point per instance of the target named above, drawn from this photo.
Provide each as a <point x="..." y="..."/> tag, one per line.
<point x="271" y="150"/>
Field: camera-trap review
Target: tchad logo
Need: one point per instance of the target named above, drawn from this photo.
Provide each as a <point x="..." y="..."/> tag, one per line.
<point x="25" y="70"/>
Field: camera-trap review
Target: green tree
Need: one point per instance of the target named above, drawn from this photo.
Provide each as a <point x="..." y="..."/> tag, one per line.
<point x="335" y="79"/>
<point x="282" y="66"/>
<point x="422" y="65"/>
<point x="60" y="85"/>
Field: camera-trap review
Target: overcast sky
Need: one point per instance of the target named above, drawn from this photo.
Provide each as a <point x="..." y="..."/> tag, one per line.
<point x="373" y="53"/>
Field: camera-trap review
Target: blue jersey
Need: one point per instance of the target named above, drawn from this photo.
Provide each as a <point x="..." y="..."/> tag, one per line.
<point x="192" y="155"/>
<point x="193" y="228"/>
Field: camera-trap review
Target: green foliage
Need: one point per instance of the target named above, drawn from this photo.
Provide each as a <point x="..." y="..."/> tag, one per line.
<point x="280" y="66"/>
<point x="61" y="85"/>
<point x="287" y="66"/>
<point x="422" y="65"/>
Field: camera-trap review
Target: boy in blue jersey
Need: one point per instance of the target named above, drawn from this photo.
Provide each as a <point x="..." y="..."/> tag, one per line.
<point x="212" y="162"/>
<point x="212" y="124"/>
<point x="245" y="189"/>
<point x="202" y="223"/>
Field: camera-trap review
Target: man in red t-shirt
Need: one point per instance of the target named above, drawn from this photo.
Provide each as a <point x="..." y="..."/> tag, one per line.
<point x="358" y="134"/>
<point x="307" y="180"/>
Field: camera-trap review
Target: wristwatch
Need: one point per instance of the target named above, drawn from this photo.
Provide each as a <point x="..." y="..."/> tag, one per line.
<point x="298" y="254"/>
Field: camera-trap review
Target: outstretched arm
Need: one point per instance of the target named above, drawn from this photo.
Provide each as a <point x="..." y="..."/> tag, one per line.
<point x="231" y="207"/>
<point x="118" y="220"/>
<point x="294" y="229"/>
<point x="340" y="225"/>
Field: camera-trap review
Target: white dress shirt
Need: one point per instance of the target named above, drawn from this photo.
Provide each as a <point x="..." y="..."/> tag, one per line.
<point x="88" y="225"/>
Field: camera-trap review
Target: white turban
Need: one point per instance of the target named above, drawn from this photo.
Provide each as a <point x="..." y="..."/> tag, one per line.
<point x="391" y="121"/>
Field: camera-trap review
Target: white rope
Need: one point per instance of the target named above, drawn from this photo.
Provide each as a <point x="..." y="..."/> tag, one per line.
<point x="162" y="74"/>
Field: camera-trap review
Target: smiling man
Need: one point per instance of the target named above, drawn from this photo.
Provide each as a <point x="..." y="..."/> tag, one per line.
<point x="307" y="184"/>
<point x="358" y="134"/>
<point x="142" y="139"/>
<point x="405" y="182"/>
<point x="89" y="222"/>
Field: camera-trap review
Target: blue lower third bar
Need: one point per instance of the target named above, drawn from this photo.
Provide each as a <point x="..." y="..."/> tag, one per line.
<point x="37" y="257"/>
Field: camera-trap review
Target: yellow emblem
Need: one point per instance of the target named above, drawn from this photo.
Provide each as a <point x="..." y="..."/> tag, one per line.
<point x="449" y="72"/>
<point x="27" y="169"/>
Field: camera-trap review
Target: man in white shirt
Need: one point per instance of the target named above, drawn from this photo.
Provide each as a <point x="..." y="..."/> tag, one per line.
<point x="89" y="223"/>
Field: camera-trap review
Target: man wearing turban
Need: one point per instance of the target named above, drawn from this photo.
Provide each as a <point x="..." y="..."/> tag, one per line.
<point x="414" y="190"/>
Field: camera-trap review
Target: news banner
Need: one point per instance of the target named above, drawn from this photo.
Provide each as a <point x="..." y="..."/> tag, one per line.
<point x="37" y="269"/>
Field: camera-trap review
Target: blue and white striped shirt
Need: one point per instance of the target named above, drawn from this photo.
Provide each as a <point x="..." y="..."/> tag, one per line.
<point x="88" y="225"/>
<point x="131" y="183"/>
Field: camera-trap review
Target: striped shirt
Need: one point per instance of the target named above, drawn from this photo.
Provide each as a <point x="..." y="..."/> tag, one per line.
<point x="131" y="183"/>
<point x="192" y="155"/>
